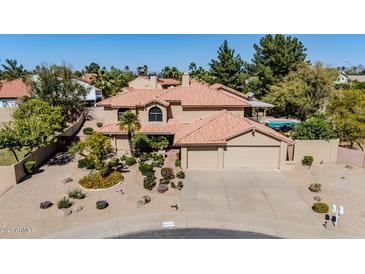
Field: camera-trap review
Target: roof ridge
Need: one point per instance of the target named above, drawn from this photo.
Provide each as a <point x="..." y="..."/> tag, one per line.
<point x="214" y="117"/>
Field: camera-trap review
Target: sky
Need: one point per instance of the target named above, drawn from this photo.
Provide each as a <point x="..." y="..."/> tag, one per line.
<point x="158" y="51"/>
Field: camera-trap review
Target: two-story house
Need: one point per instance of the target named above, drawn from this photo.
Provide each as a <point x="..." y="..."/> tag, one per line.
<point x="207" y="123"/>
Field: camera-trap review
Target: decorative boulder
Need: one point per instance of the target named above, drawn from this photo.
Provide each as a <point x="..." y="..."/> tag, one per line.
<point x="146" y="199"/>
<point x="64" y="212"/>
<point x="46" y="204"/>
<point x="78" y="208"/>
<point x="102" y="204"/>
<point x="68" y="180"/>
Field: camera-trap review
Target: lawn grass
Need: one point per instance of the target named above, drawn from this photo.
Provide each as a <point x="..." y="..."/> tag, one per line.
<point x="7" y="157"/>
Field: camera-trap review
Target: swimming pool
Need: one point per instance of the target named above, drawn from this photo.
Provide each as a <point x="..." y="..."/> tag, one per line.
<point x="279" y="124"/>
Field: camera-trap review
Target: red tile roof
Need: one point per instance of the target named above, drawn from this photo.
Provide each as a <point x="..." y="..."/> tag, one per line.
<point x="87" y="77"/>
<point x="14" y="89"/>
<point x="168" y="81"/>
<point x="197" y="94"/>
<point x="219" y="127"/>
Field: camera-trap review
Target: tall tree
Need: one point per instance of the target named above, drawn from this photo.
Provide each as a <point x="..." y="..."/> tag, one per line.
<point x="10" y="138"/>
<point x="37" y="123"/>
<point x="92" y="68"/>
<point x="303" y="92"/>
<point x="346" y="110"/>
<point x="129" y="121"/>
<point x="172" y="72"/>
<point x="56" y="86"/>
<point x="142" y="70"/>
<point x="12" y="71"/>
<point x="198" y="73"/>
<point x="228" y="69"/>
<point x="275" y="56"/>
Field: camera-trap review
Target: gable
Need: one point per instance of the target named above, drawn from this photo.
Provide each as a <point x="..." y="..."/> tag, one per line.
<point x="253" y="138"/>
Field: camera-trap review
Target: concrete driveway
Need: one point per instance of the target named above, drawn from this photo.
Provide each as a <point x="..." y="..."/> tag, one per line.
<point x="263" y="200"/>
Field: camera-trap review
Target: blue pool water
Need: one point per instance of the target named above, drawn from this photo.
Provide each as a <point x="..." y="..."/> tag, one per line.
<point x="281" y="124"/>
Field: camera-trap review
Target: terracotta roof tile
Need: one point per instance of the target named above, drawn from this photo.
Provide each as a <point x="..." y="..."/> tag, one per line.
<point x="219" y="127"/>
<point x="14" y="89"/>
<point x="168" y="81"/>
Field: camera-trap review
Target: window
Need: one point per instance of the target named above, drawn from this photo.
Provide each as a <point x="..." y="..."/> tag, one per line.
<point x="120" y="112"/>
<point x="155" y="115"/>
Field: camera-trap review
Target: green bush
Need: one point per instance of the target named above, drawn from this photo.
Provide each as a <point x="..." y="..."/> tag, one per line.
<point x="167" y="173"/>
<point x="315" y="187"/>
<point x="145" y="169"/>
<point x="144" y="157"/>
<point x="141" y="144"/>
<point x="177" y="163"/>
<point x="88" y="131"/>
<point x="180" y="185"/>
<point x="76" y="194"/>
<point x="180" y="175"/>
<point x="89" y="164"/>
<point x="149" y="182"/>
<point x="307" y="160"/>
<point x="29" y="166"/>
<point x="95" y="181"/>
<point x="114" y="162"/>
<point x="164" y="181"/>
<point x="102" y="204"/>
<point x="173" y="185"/>
<point x="64" y="203"/>
<point x="320" y="207"/>
<point x="99" y="124"/>
<point x="158" y="163"/>
<point x="157" y="157"/>
<point x="130" y="161"/>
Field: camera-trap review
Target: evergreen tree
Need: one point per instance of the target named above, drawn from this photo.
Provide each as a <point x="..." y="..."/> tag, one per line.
<point x="228" y="69"/>
<point x="92" y="68"/>
<point x="274" y="58"/>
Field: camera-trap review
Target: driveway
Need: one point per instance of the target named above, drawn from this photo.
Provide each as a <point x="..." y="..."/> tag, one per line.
<point x="264" y="200"/>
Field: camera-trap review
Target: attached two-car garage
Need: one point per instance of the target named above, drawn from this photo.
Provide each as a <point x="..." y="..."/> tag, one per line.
<point x="249" y="150"/>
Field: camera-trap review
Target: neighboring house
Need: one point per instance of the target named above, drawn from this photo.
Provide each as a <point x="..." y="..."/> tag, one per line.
<point x="359" y="78"/>
<point x="94" y="94"/>
<point x="152" y="82"/>
<point x="10" y="91"/>
<point x="342" y="78"/>
<point x="87" y="77"/>
<point x="207" y="123"/>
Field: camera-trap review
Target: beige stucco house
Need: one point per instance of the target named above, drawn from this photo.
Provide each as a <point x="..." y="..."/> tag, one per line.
<point x="207" y="123"/>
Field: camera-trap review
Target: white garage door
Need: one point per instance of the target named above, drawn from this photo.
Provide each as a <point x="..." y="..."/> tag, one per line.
<point x="202" y="157"/>
<point x="260" y="157"/>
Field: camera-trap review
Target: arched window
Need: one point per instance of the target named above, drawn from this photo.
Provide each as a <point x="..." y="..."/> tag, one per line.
<point x="155" y="114"/>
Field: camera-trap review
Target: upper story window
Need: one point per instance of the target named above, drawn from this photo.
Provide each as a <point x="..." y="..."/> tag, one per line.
<point x="120" y="112"/>
<point x="155" y="115"/>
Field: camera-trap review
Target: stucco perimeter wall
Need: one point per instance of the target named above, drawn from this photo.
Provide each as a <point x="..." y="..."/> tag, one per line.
<point x="11" y="175"/>
<point x="321" y="150"/>
<point x="5" y="114"/>
<point x="190" y="114"/>
<point x="351" y="157"/>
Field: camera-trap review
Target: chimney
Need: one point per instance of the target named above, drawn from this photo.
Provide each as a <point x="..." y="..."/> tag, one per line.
<point x="153" y="79"/>
<point x="185" y="81"/>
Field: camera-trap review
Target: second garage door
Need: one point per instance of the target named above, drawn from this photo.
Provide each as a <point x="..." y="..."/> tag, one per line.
<point x="259" y="157"/>
<point x="202" y="157"/>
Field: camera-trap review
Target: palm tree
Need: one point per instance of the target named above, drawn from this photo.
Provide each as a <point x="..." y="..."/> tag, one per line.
<point x="12" y="70"/>
<point x="129" y="121"/>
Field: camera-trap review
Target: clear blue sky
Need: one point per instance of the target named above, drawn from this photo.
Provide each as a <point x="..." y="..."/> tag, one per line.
<point x="158" y="51"/>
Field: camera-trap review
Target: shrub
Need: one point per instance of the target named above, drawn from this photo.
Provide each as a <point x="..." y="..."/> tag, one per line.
<point x="104" y="169"/>
<point x="144" y="157"/>
<point x="149" y="182"/>
<point x="76" y="194"/>
<point x="141" y="144"/>
<point x="173" y="185"/>
<point x="99" y="124"/>
<point x="315" y="187"/>
<point x="164" y="181"/>
<point x="180" y="175"/>
<point x="177" y="163"/>
<point x="320" y="207"/>
<point x="89" y="164"/>
<point x="29" y="166"/>
<point x="130" y="161"/>
<point x="102" y="204"/>
<point x="64" y="203"/>
<point x="162" y="188"/>
<point x="114" y="162"/>
<point x="95" y="181"/>
<point x="158" y="163"/>
<point x="307" y="160"/>
<point x="167" y="173"/>
<point x="88" y="131"/>
<point x="159" y="142"/>
<point x="180" y="185"/>
<point x="145" y="169"/>
<point x="157" y="157"/>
